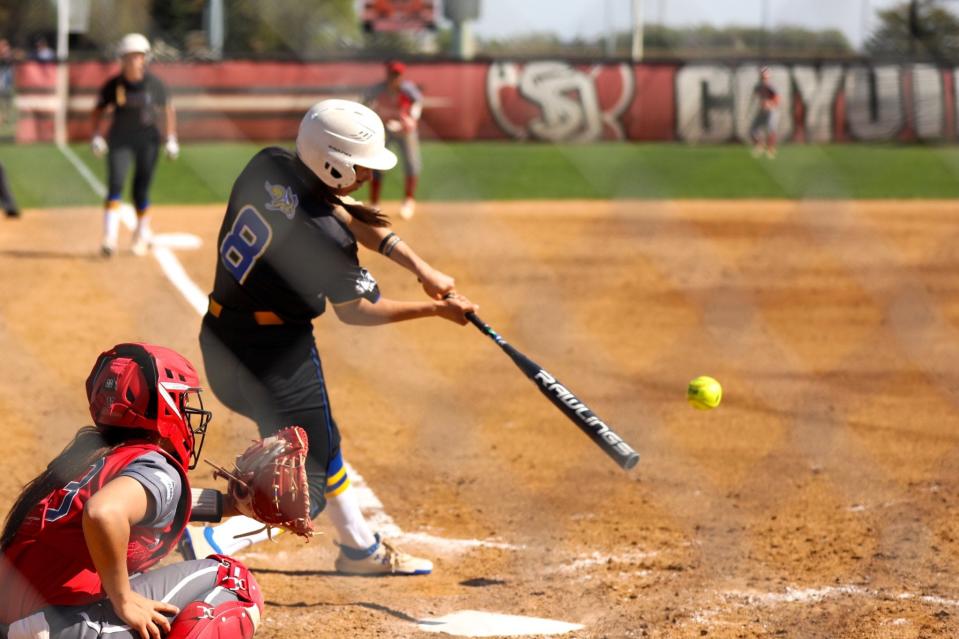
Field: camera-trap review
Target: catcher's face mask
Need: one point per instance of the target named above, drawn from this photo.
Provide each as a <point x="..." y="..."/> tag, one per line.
<point x="197" y="419"/>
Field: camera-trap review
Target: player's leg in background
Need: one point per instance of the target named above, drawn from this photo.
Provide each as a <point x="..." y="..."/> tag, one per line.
<point x="119" y="159"/>
<point x="771" y="135"/>
<point x="7" y="200"/>
<point x="412" y="163"/>
<point x="147" y="152"/>
<point x="195" y="587"/>
<point x="754" y="132"/>
<point x="376" y="183"/>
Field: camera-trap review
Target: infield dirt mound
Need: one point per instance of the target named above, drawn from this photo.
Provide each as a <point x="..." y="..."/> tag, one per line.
<point x="818" y="501"/>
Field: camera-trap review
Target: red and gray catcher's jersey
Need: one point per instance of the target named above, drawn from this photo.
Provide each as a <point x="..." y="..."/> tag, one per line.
<point x="48" y="562"/>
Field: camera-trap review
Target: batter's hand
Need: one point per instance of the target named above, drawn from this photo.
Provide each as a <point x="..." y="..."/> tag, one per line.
<point x="99" y="146"/>
<point x="144" y="615"/>
<point x="172" y="147"/>
<point x="455" y="307"/>
<point x="435" y="283"/>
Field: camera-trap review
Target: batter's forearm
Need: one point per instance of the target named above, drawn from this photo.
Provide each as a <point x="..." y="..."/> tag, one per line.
<point x="368" y="236"/>
<point x="371" y="237"/>
<point x="404" y="255"/>
<point x="384" y="311"/>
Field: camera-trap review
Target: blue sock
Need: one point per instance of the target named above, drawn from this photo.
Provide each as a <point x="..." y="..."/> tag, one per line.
<point x="361" y="553"/>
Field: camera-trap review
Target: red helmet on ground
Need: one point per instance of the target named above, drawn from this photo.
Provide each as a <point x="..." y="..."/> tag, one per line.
<point x="151" y="388"/>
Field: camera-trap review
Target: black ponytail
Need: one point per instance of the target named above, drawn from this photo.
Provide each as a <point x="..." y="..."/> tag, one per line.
<point x="367" y="214"/>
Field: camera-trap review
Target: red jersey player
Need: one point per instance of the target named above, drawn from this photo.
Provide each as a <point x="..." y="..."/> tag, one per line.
<point x="112" y="504"/>
<point x="399" y="104"/>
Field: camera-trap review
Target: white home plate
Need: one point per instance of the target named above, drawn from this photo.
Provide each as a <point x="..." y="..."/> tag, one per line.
<point x="473" y="623"/>
<point x="184" y="241"/>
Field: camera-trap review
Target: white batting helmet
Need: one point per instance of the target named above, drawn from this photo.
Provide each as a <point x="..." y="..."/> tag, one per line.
<point x="336" y="135"/>
<point x="133" y="43"/>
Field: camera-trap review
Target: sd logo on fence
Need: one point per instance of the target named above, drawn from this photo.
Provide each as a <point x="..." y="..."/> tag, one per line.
<point x="556" y="102"/>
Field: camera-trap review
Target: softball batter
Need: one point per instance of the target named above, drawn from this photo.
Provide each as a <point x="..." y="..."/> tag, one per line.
<point x="287" y="248"/>
<point x="135" y="98"/>
<point x="79" y="539"/>
<point x="399" y="104"/>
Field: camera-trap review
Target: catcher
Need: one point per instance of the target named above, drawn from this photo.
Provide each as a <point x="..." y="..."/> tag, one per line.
<point x="80" y="538"/>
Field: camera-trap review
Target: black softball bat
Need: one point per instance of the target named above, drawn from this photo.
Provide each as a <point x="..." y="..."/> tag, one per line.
<point x="564" y="399"/>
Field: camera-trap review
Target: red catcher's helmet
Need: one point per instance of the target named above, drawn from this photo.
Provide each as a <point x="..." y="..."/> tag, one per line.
<point x="151" y="388"/>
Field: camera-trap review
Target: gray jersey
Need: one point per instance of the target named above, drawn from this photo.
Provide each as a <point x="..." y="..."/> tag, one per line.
<point x="163" y="485"/>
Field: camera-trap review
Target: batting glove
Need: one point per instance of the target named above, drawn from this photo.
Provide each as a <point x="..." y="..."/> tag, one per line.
<point x="172" y="148"/>
<point x="99" y="146"/>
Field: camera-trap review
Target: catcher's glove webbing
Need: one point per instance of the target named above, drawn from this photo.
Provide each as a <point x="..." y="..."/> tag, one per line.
<point x="268" y="482"/>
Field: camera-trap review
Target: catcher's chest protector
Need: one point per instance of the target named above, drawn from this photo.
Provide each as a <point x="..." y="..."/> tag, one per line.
<point x="49" y="551"/>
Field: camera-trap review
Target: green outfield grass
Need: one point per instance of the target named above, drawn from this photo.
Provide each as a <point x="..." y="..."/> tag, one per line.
<point x="41" y="176"/>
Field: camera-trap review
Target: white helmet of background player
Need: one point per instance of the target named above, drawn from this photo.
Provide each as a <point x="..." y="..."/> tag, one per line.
<point x="133" y="43"/>
<point x="336" y="135"/>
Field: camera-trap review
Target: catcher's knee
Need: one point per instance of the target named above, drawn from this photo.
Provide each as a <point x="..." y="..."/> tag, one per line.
<point x="228" y="620"/>
<point x="234" y="576"/>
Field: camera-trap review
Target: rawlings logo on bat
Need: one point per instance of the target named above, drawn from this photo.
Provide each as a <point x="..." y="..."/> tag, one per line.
<point x="583" y="412"/>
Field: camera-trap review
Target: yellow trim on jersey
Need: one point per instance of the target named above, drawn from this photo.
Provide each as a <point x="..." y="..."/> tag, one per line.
<point x="339" y="490"/>
<point x="335" y="478"/>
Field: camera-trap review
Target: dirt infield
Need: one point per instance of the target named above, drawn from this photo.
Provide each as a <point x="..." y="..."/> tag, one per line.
<point x="820" y="500"/>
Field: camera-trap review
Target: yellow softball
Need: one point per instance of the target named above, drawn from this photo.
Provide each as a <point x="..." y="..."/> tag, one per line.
<point x="704" y="393"/>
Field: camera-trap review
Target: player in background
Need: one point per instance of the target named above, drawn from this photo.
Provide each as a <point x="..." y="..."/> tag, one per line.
<point x="6" y="196"/>
<point x="763" y="129"/>
<point x="7" y="200"/>
<point x="399" y="103"/>
<point x="81" y="536"/>
<point x="287" y="248"/>
<point x="138" y="100"/>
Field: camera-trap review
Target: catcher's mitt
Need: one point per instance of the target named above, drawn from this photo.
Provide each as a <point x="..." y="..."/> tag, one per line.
<point x="269" y="482"/>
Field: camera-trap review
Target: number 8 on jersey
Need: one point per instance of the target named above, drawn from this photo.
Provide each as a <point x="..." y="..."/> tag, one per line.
<point x="245" y="243"/>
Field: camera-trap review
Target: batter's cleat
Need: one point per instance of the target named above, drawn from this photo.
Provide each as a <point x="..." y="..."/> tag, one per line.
<point x="379" y="560"/>
<point x="197" y="542"/>
<point x="107" y="249"/>
<point x="140" y="247"/>
<point x="13" y="213"/>
<point x="408" y="208"/>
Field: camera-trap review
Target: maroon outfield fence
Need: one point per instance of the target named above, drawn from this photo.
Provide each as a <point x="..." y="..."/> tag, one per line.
<point x="548" y="100"/>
